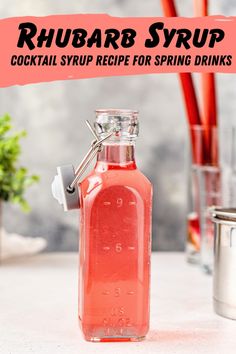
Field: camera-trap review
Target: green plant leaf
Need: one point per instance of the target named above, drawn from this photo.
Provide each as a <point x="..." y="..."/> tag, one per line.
<point x="14" y="179"/>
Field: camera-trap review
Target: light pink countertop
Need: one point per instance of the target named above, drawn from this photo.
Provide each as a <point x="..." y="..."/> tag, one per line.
<point x="38" y="310"/>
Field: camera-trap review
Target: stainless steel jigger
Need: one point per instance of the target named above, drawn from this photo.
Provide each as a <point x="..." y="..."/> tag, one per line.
<point x="64" y="187"/>
<point x="224" y="276"/>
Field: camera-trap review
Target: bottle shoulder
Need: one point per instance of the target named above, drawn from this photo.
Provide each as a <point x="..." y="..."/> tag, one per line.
<point x="144" y="178"/>
<point x="98" y="180"/>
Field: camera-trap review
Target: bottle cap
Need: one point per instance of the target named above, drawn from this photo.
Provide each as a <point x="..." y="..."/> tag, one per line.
<point x="123" y="122"/>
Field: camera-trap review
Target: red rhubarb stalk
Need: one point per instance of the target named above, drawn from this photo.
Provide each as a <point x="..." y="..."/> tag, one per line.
<point x="209" y="111"/>
<point x="188" y="90"/>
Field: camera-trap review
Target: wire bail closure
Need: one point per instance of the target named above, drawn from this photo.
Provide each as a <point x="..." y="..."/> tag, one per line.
<point x="96" y="146"/>
<point x="64" y="184"/>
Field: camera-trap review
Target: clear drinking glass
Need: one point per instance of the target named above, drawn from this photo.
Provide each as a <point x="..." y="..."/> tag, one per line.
<point x="205" y="191"/>
<point x="229" y="168"/>
<point x="210" y="195"/>
<point x="115" y="236"/>
<point x="195" y="159"/>
<point x="193" y="222"/>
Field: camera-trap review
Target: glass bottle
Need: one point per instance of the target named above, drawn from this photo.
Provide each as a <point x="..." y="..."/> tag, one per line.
<point x="115" y="236"/>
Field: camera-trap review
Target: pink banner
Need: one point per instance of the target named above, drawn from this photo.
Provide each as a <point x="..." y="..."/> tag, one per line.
<point x="39" y="49"/>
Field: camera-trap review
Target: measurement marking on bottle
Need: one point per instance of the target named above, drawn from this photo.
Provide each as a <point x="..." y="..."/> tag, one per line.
<point x="117" y="311"/>
<point x="131" y="248"/>
<point x="119" y="202"/>
<point x="117" y="292"/>
<point x="106" y="248"/>
<point x="118" y="247"/>
<point x="106" y="203"/>
<point x="116" y="326"/>
<point x="106" y="292"/>
<point x="130" y="293"/>
<point x="132" y="203"/>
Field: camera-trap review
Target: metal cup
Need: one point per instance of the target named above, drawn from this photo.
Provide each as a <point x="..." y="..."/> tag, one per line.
<point x="224" y="275"/>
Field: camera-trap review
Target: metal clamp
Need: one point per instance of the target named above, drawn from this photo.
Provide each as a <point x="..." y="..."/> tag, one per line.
<point x="95" y="147"/>
<point x="64" y="184"/>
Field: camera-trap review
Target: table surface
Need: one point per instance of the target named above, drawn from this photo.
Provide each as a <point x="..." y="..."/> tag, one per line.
<point x="38" y="310"/>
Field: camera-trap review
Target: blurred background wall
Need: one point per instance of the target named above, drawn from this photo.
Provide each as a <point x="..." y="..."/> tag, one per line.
<point x="54" y="113"/>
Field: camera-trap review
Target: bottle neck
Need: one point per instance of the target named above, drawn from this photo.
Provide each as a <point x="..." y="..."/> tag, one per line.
<point x="117" y="155"/>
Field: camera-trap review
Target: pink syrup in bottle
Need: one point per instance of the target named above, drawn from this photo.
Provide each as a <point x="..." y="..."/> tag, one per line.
<point x="115" y="238"/>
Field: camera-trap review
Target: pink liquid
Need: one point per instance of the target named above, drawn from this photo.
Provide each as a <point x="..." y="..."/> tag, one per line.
<point x="115" y="248"/>
<point x="193" y="227"/>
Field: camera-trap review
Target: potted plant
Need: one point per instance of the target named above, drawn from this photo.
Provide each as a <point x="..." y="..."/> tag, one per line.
<point x="14" y="179"/>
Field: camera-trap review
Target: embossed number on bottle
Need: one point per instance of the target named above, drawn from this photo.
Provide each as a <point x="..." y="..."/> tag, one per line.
<point x="117" y="292"/>
<point x="119" y="202"/>
<point x="118" y="247"/>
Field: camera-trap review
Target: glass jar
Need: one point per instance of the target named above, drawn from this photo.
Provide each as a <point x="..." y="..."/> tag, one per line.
<point x="205" y="191"/>
<point x="115" y="236"/>
<point x="210" y="194"/>
<point x="193" y="221"/>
